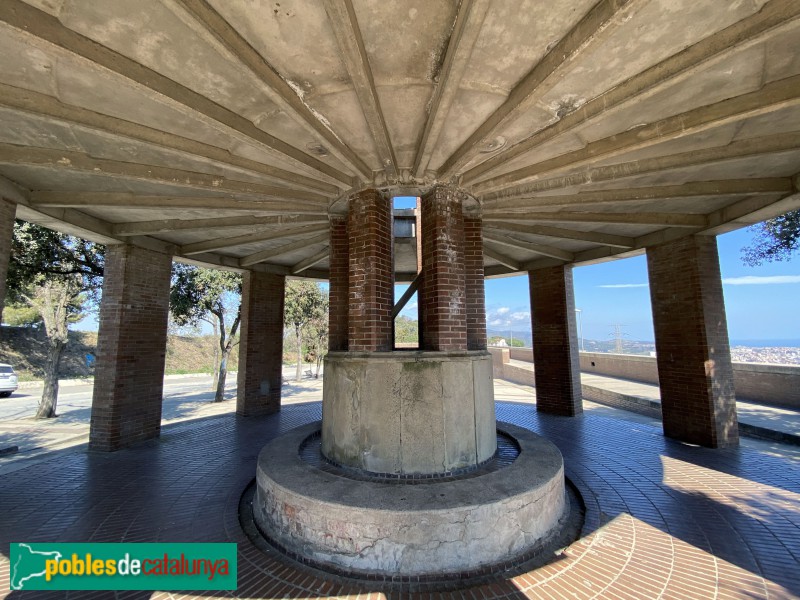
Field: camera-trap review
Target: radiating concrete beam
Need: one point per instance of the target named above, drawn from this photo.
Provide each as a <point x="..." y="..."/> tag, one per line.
<point x="169" y="225"/>
<point x="277" y="89"/>
<point x="239" y="240"/>
<point x="311" y="261"/>
<point x="38" y="23"/>
<point x="665" y="219"/>
<point x="590" y="32"/>
<point x="501" y="258"/>
<point x="606" y="239"/>
<point x="264" y="255"/>
<point x="768" y="144"/>
<point x="735" y="37"/>
<point x="511" y="242"/>
<point x="11" y="154"/>
<point x="47" y="106"/>
<point x="772" y="97"/>
<point x="345" y="26"/>
<point x="134" y="201"/>
<point x="467" y="27"/>
<point x="730" y="187"/>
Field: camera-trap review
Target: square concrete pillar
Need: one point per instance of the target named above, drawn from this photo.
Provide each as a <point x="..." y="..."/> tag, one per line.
<point x="556" y="366"/>
<point x="8" y="211"/>
<point x="443" y="292"/>
<point x="131" y="347"/>
<point x="371" y="282"/>
<point x="339" y="291"/>
<point x="698" y="401"/>
<point x="261" y="344"/>
<point x="473" y="272"/>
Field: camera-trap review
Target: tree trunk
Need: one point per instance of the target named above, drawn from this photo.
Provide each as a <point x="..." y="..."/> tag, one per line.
<point x="222" y="374"/>
<point x="299" y="334"/>
<point x="225" y="347"/>
<point x="47" y="405"/>
<point x="215" y="382"/>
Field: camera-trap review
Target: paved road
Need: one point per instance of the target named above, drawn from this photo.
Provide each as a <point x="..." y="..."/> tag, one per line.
<point x="185" y="397"/>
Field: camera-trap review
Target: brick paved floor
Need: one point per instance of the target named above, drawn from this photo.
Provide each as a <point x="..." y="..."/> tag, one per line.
<point x="663" y="519"/>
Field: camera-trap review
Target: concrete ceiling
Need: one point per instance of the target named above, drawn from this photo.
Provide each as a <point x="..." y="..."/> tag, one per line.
<point x="226" y="131"/>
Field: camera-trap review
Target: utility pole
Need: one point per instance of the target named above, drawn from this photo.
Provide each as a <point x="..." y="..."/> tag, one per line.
<point x="617" y="335"/>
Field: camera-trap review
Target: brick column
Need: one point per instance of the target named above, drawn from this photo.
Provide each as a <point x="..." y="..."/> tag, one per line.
<point x="443" y="289"/>
<point x="131" y="346"/>
<point x="556" y="366"/>
<point x="473" y="270"/>
<point x="339" y="292"/>
<point x="261" y="344"/>
<point x="698" y="401"/>
<point x="369" y="226"/>
<point x="8" y="211"/>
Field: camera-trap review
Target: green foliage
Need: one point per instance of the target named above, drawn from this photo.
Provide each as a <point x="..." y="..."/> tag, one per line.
<point x="20" y="314"/>
<point x="406" y="330"/>
<point x="776" y="240"/>
<point x="304" y="301"/>
<point x="39" y="255"/>
<point x="196" y="293"/>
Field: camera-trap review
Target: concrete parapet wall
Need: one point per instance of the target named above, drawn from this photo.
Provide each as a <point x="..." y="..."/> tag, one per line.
<point x="777" y="385"/>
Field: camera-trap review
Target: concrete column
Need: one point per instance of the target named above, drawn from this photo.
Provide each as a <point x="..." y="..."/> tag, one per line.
<point x="698" y="401"/>
<point x="556" y="365"/>
<point x="339" y="279"/>
<point x="473" y="271"/>
<point x="8" y="211"/>
<point x="443" y="290"/>
<point x="131" y="346"/>
<point x="261" y="344"/>
<point x="369" y="226"/>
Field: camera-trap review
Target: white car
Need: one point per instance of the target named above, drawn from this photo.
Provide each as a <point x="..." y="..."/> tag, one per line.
<point x="8" y="380"/>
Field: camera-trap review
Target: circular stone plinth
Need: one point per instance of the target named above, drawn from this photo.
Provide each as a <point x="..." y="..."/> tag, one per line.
<point x="425" y="528"/>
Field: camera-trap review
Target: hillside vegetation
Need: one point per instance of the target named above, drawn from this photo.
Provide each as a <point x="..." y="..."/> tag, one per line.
<point x="25" y="349"/>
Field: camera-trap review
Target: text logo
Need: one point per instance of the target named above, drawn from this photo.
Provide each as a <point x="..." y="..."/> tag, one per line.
<point x="87" y="566"/>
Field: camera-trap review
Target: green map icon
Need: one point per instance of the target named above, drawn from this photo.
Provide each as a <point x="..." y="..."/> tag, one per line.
<point x="28" y="564"/>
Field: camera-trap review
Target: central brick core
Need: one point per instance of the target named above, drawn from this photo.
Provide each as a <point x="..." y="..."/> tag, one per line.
<point x="452" y="313"/>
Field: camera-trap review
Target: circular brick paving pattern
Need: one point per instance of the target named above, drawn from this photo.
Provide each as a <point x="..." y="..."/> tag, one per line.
<point x="663" y="519"/>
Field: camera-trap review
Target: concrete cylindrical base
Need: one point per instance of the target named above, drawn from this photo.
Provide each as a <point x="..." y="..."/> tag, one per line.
<point x="435" y="528"/>
<point x="408" y="412"/>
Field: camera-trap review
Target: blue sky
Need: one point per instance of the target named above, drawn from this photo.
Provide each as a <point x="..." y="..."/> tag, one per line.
<point x="762" y="303"/>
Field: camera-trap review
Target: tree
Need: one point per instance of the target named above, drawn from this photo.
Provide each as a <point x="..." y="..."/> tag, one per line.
<point x="304" y="302"/>
<point x="57" y="275"/>
<point x="317" y="335"/>
<point x="776" y="239"/>
<point x="406" y="330"/>
<point x="213" y="296"/>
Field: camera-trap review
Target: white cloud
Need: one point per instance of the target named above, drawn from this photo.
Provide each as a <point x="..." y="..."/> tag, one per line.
<point x="497" y="322"/>
<point x="761" y="280"/>
<point x="520" y="316"/>
<point x="746" y="280"/>
<point x="503" y="310"/>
